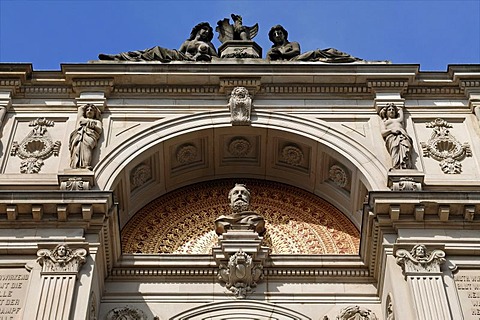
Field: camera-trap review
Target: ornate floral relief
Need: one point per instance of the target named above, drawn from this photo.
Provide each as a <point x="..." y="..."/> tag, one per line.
<point x="420" y="260"/>
<point x="443" y="147"/>
<point x="36" y="147"/>
<point x="357" y="313"/>
<point x="338" y="175"/>
<point x="140" y="175"/>
<point x="186" y="153"/>
<point x="241" y="274"/>
<point x="389" y="312"/>
<point x="61" y="259"/>
<point x="292" y="155"/>
<point x="297" y="222"/>
<point x="126" y="313"/>
<point x="240" y="105"/>
<point x="239" y="147"/>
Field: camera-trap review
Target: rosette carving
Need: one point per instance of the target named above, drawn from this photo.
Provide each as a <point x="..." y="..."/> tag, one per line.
<point x="338" y="175"/>
<point x="292" y="155"/>
<point x="186" y="153"/>
<point x="140" y="175"/>
<point x="239" y="147"/>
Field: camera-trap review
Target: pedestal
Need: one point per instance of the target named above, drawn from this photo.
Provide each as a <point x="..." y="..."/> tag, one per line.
<point x="240" y="49"/>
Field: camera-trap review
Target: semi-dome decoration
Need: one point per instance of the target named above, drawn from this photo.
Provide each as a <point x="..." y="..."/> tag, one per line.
<point x="183" y="221"/>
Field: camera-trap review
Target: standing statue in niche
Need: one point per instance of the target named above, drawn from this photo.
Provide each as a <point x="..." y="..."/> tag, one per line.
<point x="398" y="142"/>
<point x="198" y="47"/>
<point x="282" y="49"/>
<point x="84" y="139"/>
<point x="237" y="31"/>
<point x="239" y="198"/>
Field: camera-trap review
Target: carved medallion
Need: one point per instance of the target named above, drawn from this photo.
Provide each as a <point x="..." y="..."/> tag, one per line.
<point x="443" y="147"/>
<point x="186" y="153"/>
<point x="140" y="175"/>
<point x="292" y="155"/>
<point x="338" y="175"/>
<point x="36" y="147"/>
<point x="239" y="147"/>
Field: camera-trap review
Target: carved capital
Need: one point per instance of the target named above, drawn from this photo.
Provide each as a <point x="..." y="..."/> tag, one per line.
<point x="419" y="260"/>
<point x="61" y="259"/>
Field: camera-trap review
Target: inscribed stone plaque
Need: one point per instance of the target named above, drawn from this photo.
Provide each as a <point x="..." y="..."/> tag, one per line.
<point x="468" y="287"/>
<point x="13" y="289"/>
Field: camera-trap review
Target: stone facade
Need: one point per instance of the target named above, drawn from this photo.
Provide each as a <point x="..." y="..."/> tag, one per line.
<point x="126" y="234"/>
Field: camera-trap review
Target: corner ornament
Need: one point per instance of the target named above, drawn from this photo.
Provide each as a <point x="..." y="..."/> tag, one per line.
<point x="241" y="274"/>
<point x="420" y="260"/>
<point x="61" y="259"/>
<point x="443" y="147"/>
<point x="240" y="104"/>
<point x="36" y="147"/>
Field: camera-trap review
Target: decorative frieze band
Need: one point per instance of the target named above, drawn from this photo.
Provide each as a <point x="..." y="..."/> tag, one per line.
<point x="315" y="89"/>
<point x="167" y="90"/>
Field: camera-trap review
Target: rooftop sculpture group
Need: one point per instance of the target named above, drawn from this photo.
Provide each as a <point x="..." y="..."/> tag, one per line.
<point x="198" y="47"/>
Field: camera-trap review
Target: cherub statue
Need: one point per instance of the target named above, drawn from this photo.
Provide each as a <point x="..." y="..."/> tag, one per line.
<point x="237" y="31"/>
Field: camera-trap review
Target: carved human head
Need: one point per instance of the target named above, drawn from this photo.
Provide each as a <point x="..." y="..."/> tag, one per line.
<point x="239" y="198"/>
<point x="90" y="111"/>
<point x="205" y="26"/>
<point x="390" y="111"/>
<point x="273" y="34"/>
<point x="419" y="251"/>
<point x="240" y="92"/>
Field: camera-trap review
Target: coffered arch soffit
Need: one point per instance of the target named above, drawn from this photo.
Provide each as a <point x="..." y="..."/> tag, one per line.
<point x="306" y="153"/>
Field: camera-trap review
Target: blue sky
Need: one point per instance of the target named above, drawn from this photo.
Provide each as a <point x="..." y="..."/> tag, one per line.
<point x="431" y="33"/>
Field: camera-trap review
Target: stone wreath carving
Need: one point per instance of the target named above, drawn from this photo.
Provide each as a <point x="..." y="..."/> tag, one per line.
<point x="186" y="153"/>
<point x="61" y="259"/>
<point x="292" y="155"/>
<point x="356" y="313"/>
<point x="140" y="175"/>
<point x="36" y="147"/>
<point x="420" y="260"/>
<point x="241" y="274"/>
<point x="239" y="147"/>
<point x="443" y="147"/>
<point x="126" y="313"/>
<point x="338" y="175"/>
<point x="240" y="104"/>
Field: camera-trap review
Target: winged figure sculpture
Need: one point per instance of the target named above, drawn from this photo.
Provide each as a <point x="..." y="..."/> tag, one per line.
<point x="237" y="31"/>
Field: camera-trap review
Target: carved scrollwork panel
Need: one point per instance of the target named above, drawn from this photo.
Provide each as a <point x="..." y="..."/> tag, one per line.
<point x="36" y="147"/>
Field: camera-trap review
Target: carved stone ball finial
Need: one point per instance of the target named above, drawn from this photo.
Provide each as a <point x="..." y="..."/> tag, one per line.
<point x="239" y="198"/>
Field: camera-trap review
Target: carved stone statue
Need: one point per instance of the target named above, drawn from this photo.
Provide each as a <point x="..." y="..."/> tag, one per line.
<point x="237" y="31"/>
<point x="356" y="313"/>
<point x="398" y="142"/>
<point x="282" y="49"/>
<point x="198" y="47"/>
<point x="240" y="104"/>
<point x="239" y="198"/>
<point x="85" y="137"/>
<point x="241" y="274"/>
<point x="419" y="260"/>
